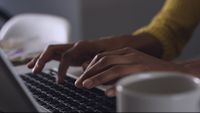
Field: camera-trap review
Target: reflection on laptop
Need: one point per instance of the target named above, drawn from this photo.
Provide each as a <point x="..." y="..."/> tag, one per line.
<point x="39" y="93"/>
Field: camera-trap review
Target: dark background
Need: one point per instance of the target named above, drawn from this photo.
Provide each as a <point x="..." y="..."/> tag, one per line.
<point x="96" y="18"/>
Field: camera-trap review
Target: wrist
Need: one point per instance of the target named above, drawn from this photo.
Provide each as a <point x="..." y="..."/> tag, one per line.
<point x="143" y="42"/>
<point x="148" y="44"/>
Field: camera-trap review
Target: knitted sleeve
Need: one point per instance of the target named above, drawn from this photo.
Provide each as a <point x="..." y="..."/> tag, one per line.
<point x="173" y="25"/>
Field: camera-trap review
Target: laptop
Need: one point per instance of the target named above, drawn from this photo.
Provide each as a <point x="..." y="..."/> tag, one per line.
<point x="22" y="91"/>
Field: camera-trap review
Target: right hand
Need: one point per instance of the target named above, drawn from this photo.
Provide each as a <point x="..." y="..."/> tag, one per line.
<point x="68" y="54"/>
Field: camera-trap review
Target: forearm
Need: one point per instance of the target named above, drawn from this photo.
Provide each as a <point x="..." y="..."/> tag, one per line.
<point x="143" y="42"/>
<point x="192" y="65"/>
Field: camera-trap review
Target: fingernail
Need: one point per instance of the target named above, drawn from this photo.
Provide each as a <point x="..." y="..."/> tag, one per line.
<point x="78" y="84"/>
<point x="110" y="93"/>
<point x="34" y="70"/>
<point x="88" y="84"/>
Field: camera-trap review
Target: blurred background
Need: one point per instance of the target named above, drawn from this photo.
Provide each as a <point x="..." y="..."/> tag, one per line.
<point x="90" y="19"/>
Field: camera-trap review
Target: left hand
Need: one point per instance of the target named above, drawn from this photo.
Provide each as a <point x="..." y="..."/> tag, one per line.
<point x="111" y="66"/>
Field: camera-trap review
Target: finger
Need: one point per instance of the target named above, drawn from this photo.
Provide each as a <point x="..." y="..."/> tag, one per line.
<point x="31" y="64"/>
<point x="113" y="73"/>
<point x="47" y="55"/>
<point x="42" y="60"/>
<point x="111" y="60"/>
<point x="100" y="78"/>
<point x="87" y="73"/>
<point x="66" y="61"/>
<point x="114" y="52"/>
<point x="111" y="92"/>
<point x="63" y="67"/>
<point x="85" y="65"/>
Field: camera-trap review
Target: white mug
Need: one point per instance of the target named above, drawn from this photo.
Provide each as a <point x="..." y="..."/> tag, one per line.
<point x="159" y="92"/>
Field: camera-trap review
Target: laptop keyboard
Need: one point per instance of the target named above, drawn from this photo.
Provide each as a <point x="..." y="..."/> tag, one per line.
<point x="66" y="98"/>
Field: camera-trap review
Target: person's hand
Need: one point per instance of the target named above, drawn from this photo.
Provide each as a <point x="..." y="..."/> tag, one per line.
<point x="111" y="66"/>
<point x="192" y="64"/>
<point x="68" y="55"/>
<point x="80" y="53"/>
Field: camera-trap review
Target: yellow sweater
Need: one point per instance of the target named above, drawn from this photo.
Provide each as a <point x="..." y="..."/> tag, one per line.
<point x="173" y="25"/>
